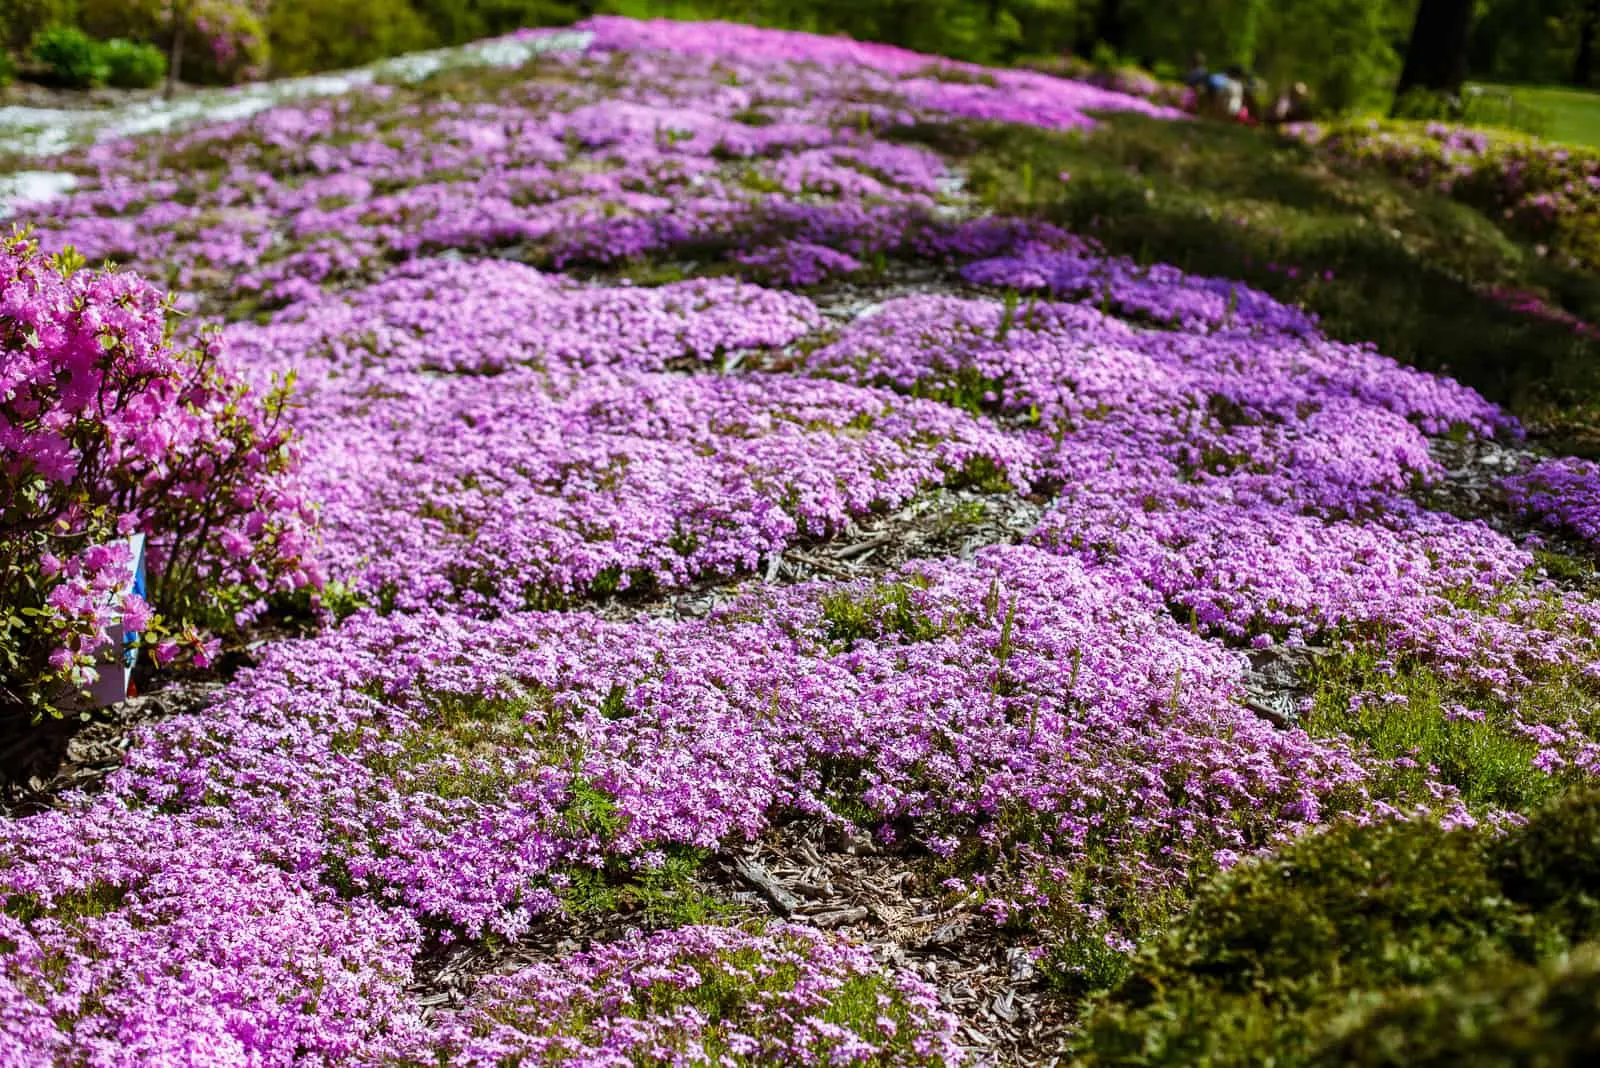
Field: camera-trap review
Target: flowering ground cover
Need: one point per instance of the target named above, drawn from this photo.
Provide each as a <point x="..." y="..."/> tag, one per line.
<point x="601" y="370"/>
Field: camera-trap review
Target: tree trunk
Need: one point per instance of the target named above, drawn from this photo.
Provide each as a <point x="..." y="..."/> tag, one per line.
<point x="1110" y="26"/>
<point x="1583" y="66"/>
<point x="180" y="16"/>
<point x="1436" y="58"/>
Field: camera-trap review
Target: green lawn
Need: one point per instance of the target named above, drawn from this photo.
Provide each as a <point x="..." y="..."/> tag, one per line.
<point x="1560" y="113"/>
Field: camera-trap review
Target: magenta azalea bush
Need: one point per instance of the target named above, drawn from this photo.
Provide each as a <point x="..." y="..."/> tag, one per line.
<point x="106" y="430"/>
<point x="586" y="359"/>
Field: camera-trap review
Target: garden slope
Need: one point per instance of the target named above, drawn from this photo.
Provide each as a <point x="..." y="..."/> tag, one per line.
<point x="777" y="324"/>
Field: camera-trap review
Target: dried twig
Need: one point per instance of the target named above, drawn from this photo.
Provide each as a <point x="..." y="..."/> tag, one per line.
<point x="783" y="902"/>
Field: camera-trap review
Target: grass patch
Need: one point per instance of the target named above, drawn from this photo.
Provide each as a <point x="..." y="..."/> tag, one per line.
<point x="884" y="610"/>
<point x="1409" y="713"/>
<point x="1561" y="113"/>
<point x="669" y="895"/>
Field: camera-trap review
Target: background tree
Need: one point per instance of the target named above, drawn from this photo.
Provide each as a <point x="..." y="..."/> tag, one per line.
<point x="1436" y="56"/>
<point x="180" y="16"/>
<point x="1583" y="63"/>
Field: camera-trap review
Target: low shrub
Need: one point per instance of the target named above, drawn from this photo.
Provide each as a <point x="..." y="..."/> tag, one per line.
<point x="225" y="41"/>
<point x="75" y="60"/>
<point x="107" y="429"/>
<point x="1504" y="1017"/>
<point x="1552" y="865"/>
<point x="1364" y="936"/>
<point x="7" y="70"/>
<point x="133" y="66"/>
<point x="1542" y="191"/>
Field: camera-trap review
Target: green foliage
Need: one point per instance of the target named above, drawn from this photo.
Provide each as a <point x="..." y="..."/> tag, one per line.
<point x="1380" y="925"/>
<point x="1525" y="40"/>
<point x="976" y="30"/>
<point x="133" y="66"/>
<point x="21" y="20"/>
<point x="1506" y="1016"/>
<point x="982" y="474"/>
<point x="1225" y="30"/>
<point x="312" y="35"/>
<point x="1552" y="865"/>
<point x="98" y="899"/>
<point x="1400" y="710"/>
<point x="669" y="895"/>
<point x="1344" y="50"/>
<point x="459" y="21"/>
<point x="8" y="70"/>
<point x="224" y="41"/>
<point x="885" y="610"/>
<point x="74" y="59"/>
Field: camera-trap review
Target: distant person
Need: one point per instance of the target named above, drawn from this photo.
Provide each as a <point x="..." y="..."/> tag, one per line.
<point x="1222" y="95"/>
<point x="1196" y="78"/>
<point x="1250" y="106"/>
<point x="1292" y="106"/>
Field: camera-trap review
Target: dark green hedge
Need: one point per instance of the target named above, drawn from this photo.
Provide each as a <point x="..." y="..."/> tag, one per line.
<point x="1400" y="943"/>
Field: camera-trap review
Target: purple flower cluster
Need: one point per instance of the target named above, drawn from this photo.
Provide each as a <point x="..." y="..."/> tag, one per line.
<point x="1562" y="493"/>
<point x="940" y="85"/>
<point x="805" y="1000"/>
<point x="132" y="938"/>
<point x="553" y="456"/>
<point x="710" y="144"/>
<point x="979" y="703"/>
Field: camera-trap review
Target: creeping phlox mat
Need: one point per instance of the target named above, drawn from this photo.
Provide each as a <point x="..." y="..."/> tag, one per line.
<point x="663" y="317"/>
